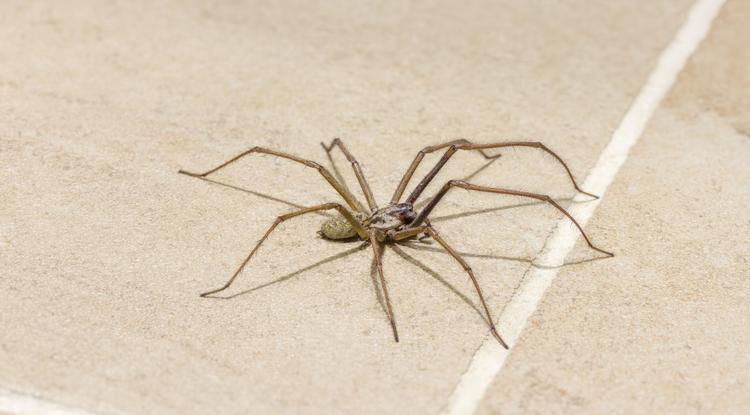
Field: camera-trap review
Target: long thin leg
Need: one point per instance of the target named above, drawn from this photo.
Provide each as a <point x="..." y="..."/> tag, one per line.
<point x="479" y="147"/>
<point x="424" y="201"/>
<point x="348" y="197"/>
<point x="434" y="234"/>
<point x="377" y="251"/>
<point x="357" y="171"/>
<point x="326" y="206"/>
<point x="468" y="186"/>
<point x="418" y="159"/>
<point x="337" y="174"/>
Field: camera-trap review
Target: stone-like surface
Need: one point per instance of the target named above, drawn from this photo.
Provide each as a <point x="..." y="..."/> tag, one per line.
<point x="104" y="247"/>
<point x="664" y="326"/>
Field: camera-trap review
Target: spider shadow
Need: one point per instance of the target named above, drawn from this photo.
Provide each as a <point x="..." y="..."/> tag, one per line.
<point x="296" y="273"/>
<point x="438" y="219"/>
<point x="434" y="274"/>
<point x="259" y="194"/>
<point x="340" y="255"/>
<point x="422" y="246"/>
<point x="530" y="261"/>
<point x="443" y="218"/>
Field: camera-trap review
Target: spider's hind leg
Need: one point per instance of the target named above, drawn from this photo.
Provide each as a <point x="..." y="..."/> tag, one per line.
<point x="326" y="206"/>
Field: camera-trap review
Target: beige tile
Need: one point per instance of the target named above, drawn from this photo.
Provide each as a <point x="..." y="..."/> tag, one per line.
<point x="105" y="248"/>
<point x="664" y="326"/>
<point x="717" y="80"/>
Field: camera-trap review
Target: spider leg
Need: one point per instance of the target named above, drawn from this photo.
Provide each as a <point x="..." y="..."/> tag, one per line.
<point x="418" y="159"/>
<point x="424" y="201"/>
<point x="407" y="233"/>
<point x="466" y="145"/>
<point x="357" y="171"/>
<point x="425" y="235"/>
<point x="377" y="250"/>
<point x="348" y="197"/>
<point x="468" y="186"/>
<point x="326" y="206"/>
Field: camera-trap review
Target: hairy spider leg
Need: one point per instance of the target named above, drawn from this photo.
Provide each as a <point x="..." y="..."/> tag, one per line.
<point x="326" y="206"/>
<point x="453" y="148"/>
<point x="377" y="250"/>
<point x="418" y="159"/>
<point x="468" y="186"/>
<point x="357" y="171"/>
<point x="348" y="197"/>
<point x="408" y="233"/>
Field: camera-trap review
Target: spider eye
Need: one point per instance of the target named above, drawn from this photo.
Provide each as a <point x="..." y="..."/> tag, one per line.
<point x="407" y="217"/>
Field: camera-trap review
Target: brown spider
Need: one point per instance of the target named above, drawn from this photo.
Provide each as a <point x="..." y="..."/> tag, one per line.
<point x="397" y="221"/>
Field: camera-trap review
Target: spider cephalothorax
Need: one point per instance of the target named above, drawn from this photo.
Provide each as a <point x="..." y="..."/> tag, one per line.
<point x="397" y="221"/>
<point x="390" y="219"/>
<point x="393" y="217"/>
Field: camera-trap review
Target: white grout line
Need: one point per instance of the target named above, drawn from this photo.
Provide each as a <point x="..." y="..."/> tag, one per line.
<point x="17" y="403"/>
<point x="489" y="359"/>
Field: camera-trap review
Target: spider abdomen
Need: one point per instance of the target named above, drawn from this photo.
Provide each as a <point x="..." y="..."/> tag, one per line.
<point x="338" y="227"/>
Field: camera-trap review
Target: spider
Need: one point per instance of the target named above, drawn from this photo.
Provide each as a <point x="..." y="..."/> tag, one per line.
<point x="398" y="220"/>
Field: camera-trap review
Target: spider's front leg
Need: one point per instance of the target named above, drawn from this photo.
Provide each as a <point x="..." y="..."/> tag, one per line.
<point x="462" y="144"/>
<point x="453" y="146"/>
<point x="326" y="206"/>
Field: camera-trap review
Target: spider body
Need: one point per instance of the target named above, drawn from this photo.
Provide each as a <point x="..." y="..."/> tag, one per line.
<point x="394" y="217"/>
<point x="397" y="221"/>
<point x="338" y="228"/>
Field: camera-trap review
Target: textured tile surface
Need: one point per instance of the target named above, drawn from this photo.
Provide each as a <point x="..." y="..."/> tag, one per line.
<point x="663" y="327"/>
<point x="104" y="248"/>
